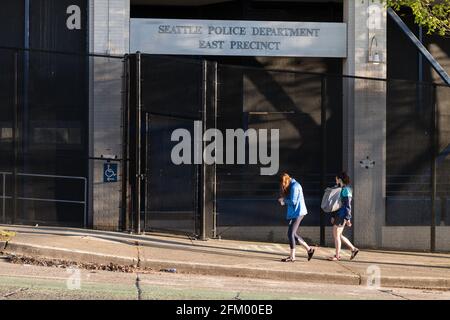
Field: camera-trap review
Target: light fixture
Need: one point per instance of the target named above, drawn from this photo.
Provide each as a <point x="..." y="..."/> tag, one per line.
<point x="374" y="56"/>
<point x="376" y="59"/>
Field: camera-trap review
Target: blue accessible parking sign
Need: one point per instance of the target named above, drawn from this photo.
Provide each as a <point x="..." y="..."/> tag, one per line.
<point x="110" y="172"/>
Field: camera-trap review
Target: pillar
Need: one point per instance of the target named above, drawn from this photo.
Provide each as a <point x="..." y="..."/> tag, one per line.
<point x="365" y="118"/>
<point x="108" y="35"/>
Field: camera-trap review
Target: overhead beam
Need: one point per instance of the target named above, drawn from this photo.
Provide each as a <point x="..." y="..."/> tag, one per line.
<point x="422" y="49"/>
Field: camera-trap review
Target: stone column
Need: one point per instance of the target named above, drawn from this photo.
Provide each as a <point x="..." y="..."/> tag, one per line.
<point x="109" y="35"/>
<point x="365" y="117"/>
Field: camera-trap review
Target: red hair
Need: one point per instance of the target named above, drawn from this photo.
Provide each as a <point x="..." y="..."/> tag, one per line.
<point x="285" y="184"/>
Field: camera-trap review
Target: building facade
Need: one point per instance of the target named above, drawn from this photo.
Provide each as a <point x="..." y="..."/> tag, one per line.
<point x="86" y="118"/>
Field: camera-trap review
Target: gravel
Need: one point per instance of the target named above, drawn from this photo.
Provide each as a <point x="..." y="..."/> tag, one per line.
<point x="57" y="263"/>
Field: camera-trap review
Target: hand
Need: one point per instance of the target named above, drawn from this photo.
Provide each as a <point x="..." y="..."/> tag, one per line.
<point x="332" y="220"/>
<point x="281" y="201"/>
<point x="349" y="223"/>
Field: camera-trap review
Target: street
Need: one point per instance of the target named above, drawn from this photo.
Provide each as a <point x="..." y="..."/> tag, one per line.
<point x="19" y="281"/>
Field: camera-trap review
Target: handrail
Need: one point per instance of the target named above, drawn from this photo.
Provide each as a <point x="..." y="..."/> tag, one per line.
<point x="4" y="196"/>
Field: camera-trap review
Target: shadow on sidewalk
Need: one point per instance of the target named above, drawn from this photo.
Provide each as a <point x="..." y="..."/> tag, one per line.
<point x="147" y="241"/>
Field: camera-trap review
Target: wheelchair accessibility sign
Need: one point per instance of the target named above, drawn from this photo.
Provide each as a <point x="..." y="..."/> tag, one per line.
<point x="110" y="172"/>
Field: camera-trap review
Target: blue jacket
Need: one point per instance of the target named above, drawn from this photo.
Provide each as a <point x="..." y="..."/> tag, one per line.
<point x="346" y="198"/>
<point x="295" y="201"/>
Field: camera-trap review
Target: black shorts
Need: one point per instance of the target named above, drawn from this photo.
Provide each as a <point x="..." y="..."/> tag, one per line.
<point x="338" y="221"/>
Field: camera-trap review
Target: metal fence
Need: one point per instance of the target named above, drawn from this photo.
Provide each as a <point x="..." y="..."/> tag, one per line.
<point x="311" y="113"/>
<point x="418" y="162"/>
<point x="66" y="115"/>
<point x="310" y="142"/>
<point x="59" y="113"/>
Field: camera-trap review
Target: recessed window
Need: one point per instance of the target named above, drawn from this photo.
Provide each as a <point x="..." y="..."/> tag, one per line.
<point x="5" y="134"/>
<point x="57" y="135"/>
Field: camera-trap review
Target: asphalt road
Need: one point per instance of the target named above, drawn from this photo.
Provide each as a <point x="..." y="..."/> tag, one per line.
<point x="35" y="282"/>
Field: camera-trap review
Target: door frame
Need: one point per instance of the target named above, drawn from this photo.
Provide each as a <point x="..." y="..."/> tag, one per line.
<point x="133" y="134"/>
<point x="145" y="168"/>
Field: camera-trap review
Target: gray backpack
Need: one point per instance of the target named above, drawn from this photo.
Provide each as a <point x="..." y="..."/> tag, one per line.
<point x="331" y="200"/>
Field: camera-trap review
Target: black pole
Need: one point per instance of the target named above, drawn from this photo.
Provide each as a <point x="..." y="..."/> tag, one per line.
<point x="15" y="136"/>
<point x="323" y="173"/>
<point x="216" y="80"/>
<point x="434" y="152"/>
<point x="147" y="171"/>
<point x="125" y="155"/>
<point x="137" y="194"/>
<point x="419" y="87"/>
<point x="202" y="173"/>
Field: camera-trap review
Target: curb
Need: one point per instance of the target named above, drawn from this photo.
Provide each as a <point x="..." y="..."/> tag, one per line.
<point x="182" y="267"/>
<point x="66" y="254"/>
<point x="220" y="270"/>
<point x="232" y="271"/>
<point x="422" y="283"/>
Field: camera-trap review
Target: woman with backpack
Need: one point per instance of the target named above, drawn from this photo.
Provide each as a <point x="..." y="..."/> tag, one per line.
<point x="292" y="196"/>
<point x="342" y="218"/>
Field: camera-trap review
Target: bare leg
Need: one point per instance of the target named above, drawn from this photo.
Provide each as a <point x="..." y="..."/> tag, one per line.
<point x="303" y="243"/>
<point x="347" y="243"/>
<point x="335" y="236"/>
<point x="337" y="240"/>
<point x="300" y="239"/>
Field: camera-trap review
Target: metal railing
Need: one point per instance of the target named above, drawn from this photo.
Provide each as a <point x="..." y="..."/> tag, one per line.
<point x="4" y="197"/>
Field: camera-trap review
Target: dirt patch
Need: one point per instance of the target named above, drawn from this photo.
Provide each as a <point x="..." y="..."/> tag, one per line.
<point x="57" y="263"/>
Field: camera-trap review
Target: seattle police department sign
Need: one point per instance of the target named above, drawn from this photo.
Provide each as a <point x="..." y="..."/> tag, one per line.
<point x="238" y="38"/>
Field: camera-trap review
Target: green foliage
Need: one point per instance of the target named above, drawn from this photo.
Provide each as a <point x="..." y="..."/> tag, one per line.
<point x="431" y="14"/>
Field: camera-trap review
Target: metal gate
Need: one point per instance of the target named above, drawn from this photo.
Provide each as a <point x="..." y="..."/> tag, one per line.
<point x="169" y="93"/>
<point x="171" y="190"/>
<point x="166" y="94"/>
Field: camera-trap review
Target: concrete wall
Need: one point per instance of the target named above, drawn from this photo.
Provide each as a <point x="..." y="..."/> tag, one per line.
<point x="365" y="118"/>
<point x="406" y="238"/>
<point x="395" y="238"/>
<point x="415" y="238"/>
<point x="109" y="34"/>
<point x="276" y="234"/>
<point x="443" y="238"/>
<point x="109" y="26"/>
<point x="365" y="134"/>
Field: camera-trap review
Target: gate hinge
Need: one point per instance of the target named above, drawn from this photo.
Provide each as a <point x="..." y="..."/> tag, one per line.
<point x="141" y="176"/>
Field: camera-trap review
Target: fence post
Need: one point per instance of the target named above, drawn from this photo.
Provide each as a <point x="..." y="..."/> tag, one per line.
<point x="216" y="80"/>
<point x="15" y="136"/>
<point x="206" y="181"/>
<point x="323" y="178"/>
<point x="125" y="130"/>
<point x="434" y="152"/>
<point x="4" y="197"/>
<point x="137" y="195"/>
<point x="85" y="208"/>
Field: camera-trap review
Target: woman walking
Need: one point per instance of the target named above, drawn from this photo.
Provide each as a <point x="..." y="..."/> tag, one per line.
<point x="292" y="196"/>
<point x="342" y="218"/>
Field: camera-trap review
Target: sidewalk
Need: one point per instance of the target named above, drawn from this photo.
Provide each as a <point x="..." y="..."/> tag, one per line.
<point x="229" y="258"/>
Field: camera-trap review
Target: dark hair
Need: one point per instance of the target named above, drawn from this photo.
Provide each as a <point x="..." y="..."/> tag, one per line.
<point x="344" y="177"/>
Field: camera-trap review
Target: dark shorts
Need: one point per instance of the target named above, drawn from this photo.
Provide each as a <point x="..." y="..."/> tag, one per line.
<point x="338" y="221"/>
